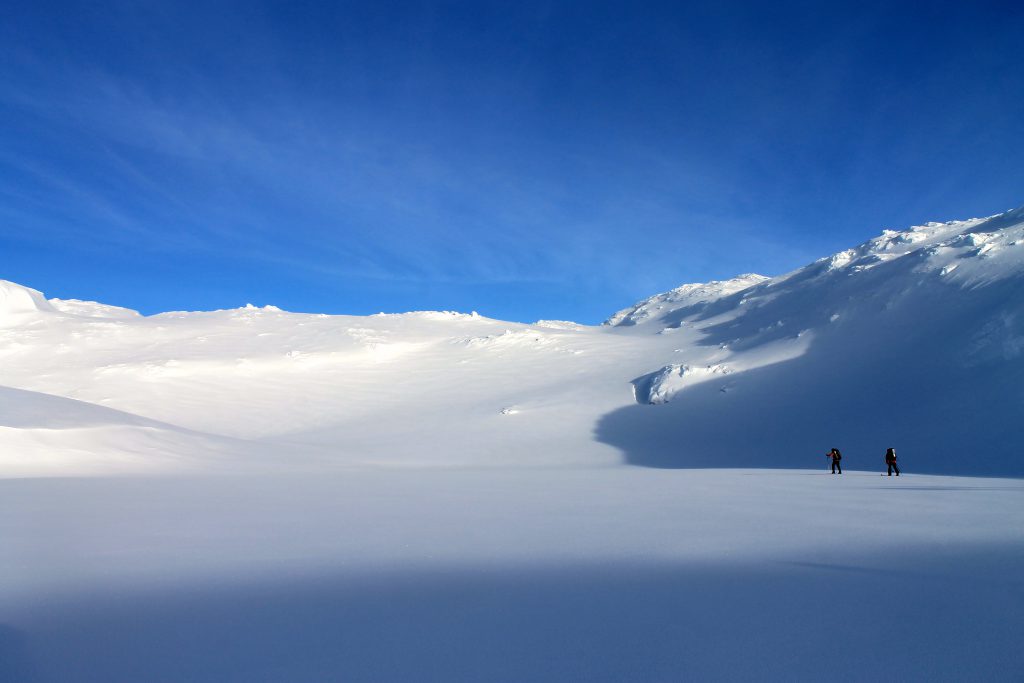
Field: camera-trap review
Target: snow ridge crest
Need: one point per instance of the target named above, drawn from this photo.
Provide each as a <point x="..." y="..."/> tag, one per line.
<point x="977" y="249"/>
<point x="683" y="295"/>
<point x="17" y="300"/>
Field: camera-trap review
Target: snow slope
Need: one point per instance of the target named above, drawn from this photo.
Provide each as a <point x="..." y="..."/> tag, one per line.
<point x="914" y="339"/>
<point x="49" y="435"/>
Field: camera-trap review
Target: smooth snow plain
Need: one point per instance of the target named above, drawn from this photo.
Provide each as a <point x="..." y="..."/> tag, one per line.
<point x="258" y="495"/>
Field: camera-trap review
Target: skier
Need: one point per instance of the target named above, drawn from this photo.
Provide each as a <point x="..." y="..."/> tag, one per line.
<point x="890" y="460"/>
<point x="836" y="457"/>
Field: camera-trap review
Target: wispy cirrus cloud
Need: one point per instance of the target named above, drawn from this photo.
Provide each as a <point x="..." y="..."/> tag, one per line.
<point x="440" y="155"/>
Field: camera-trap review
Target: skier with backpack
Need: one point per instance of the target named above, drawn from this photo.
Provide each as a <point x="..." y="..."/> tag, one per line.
<point x="890" y="461"/>
<point x="836" y="457"/>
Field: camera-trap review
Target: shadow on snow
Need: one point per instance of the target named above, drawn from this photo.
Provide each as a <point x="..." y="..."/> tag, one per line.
<point x="921" y="616"/>
<point x="936" y="372"/>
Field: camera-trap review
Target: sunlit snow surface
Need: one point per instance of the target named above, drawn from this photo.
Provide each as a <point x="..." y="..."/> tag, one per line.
<point x="254" y="494"/>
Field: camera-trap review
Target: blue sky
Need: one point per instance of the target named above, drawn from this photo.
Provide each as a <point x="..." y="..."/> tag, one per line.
<point x="525" y="160"/>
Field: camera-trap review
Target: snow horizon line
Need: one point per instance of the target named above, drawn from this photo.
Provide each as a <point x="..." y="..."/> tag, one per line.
<point x="740" y="277"/>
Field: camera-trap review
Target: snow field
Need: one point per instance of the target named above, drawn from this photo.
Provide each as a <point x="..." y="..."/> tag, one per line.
<point x="447" y="574"/>
<point x="254" y="494"/>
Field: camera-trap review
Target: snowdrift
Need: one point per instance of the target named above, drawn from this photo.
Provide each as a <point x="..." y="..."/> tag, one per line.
<point x="17" y="302"/>
<point x="43" y="434"/>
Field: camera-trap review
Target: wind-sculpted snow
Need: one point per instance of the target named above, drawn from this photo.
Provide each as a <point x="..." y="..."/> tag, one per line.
<point x="17" y="301"/>
<point x="661" y="386"/>
<point x="92" y="309"/>
<point x="683" y="296"/>
<point x="55" y="436"/>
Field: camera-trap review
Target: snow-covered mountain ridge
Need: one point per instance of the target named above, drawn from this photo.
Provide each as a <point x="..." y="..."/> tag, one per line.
<point x="914" y="338"/>
<point x="948" y="249"/>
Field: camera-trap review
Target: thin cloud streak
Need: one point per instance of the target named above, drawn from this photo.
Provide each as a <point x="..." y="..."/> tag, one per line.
<point x="336" y="177"/>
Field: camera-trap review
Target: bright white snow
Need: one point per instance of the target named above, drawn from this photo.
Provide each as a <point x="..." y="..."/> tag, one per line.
<point x="254" y="494"/>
